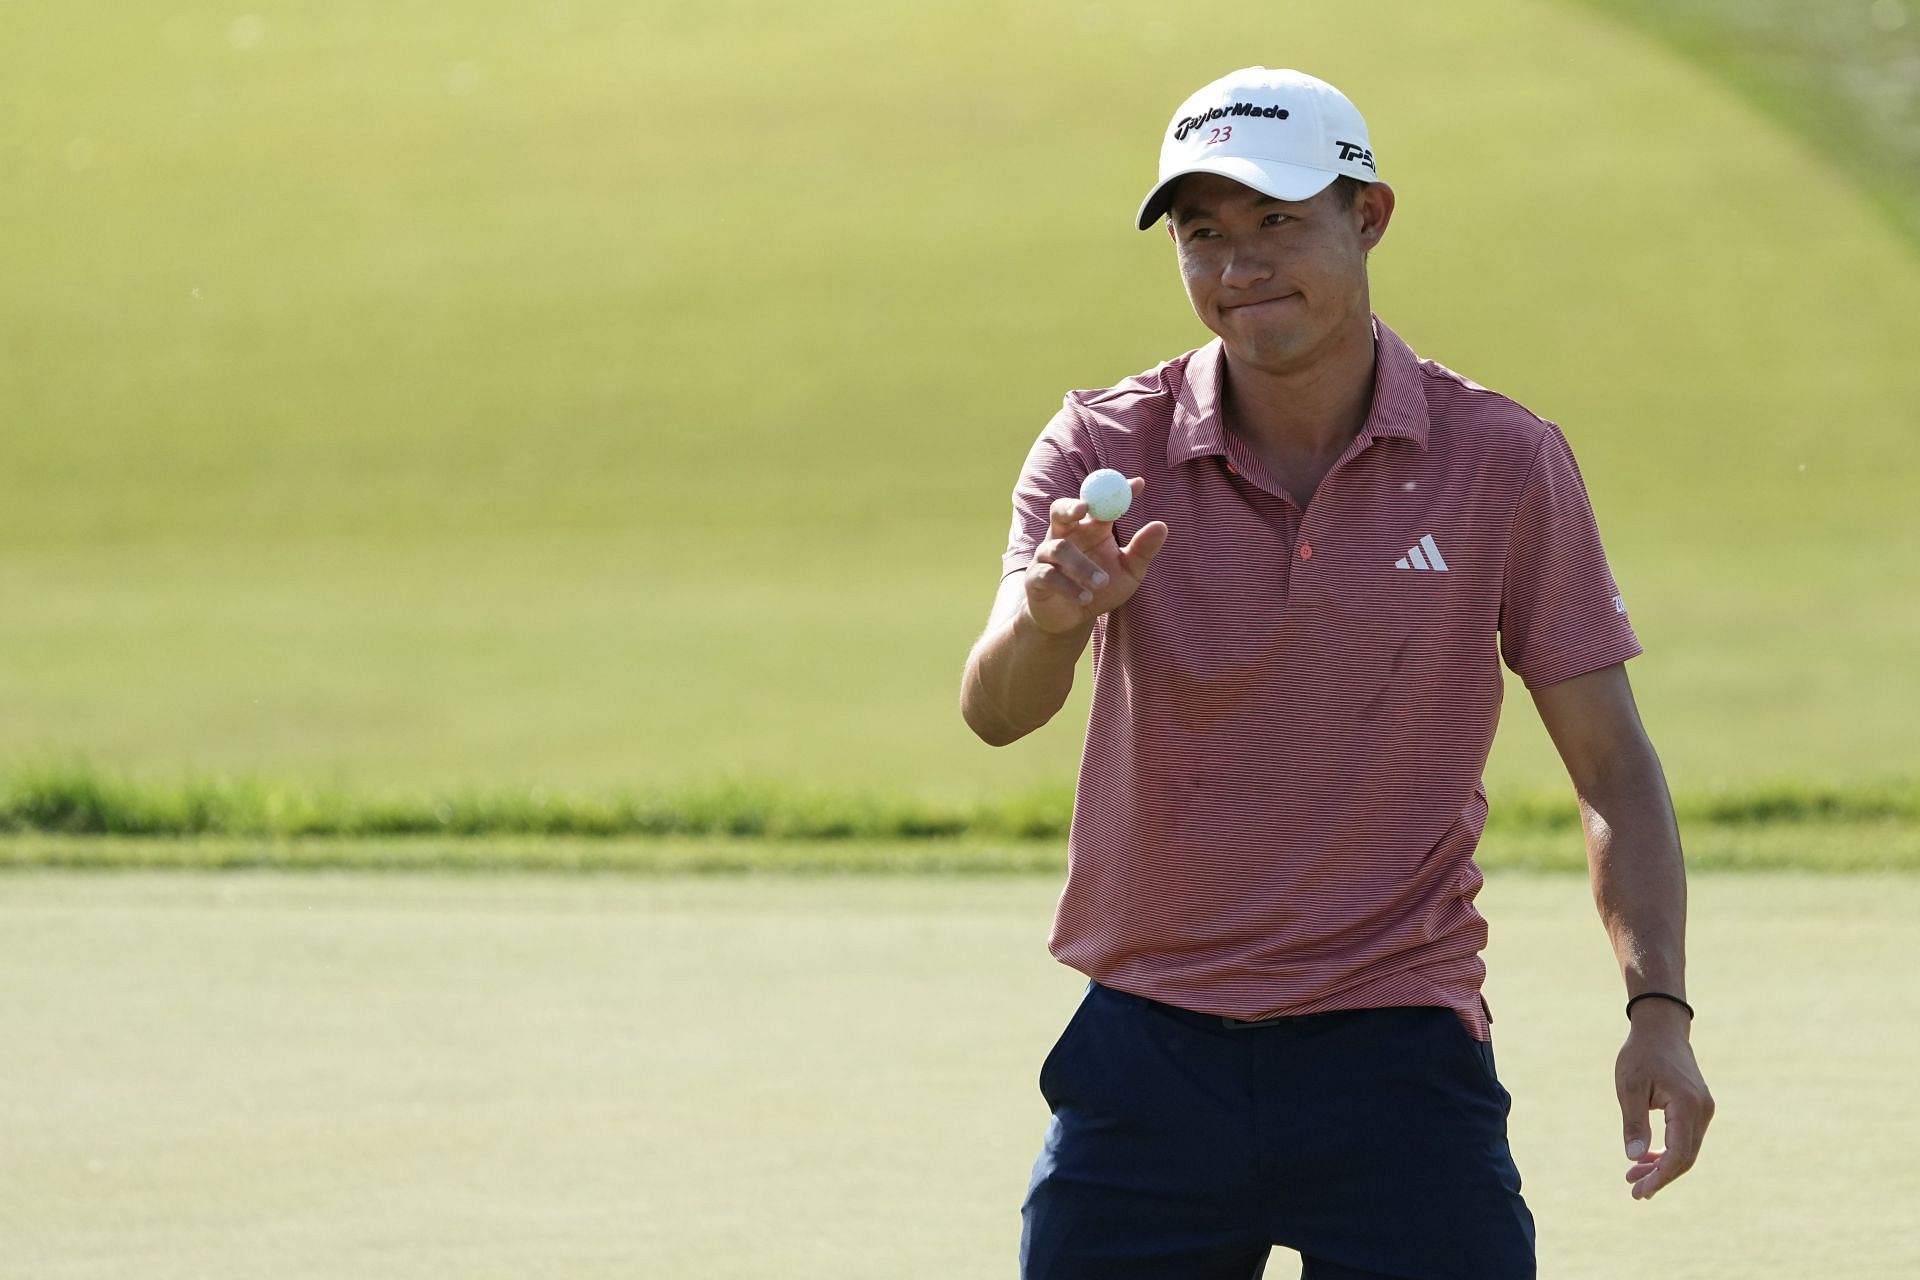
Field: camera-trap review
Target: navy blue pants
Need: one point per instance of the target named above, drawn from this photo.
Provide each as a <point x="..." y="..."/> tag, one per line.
<point x="1184" y="1147"/>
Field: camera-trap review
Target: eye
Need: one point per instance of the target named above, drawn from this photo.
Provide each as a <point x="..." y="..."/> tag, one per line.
<point x="1201" y="233"/>
<point x="1275" y="219"/>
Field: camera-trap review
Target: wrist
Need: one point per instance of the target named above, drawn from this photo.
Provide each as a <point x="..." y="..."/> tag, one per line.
<point x="1027" y="627"/>
<point x="1654" y="1010"/>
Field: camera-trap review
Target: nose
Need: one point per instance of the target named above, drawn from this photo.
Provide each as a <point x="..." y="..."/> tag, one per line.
<point x="1245" y="267"/>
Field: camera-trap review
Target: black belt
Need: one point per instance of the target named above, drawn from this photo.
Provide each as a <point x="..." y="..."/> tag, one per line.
<point x="1220" y="1021"/>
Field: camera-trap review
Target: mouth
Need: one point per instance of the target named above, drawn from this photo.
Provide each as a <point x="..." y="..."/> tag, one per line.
<point x="1260" y="305"/>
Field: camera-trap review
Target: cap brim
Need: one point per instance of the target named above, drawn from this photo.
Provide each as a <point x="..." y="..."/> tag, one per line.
<point x="1268" y="177"/>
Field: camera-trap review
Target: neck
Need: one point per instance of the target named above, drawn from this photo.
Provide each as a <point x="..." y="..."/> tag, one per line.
<point x="1315" y="405"/>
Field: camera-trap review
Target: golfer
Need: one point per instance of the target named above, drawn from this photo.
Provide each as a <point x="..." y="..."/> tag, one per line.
<point x="1297" y="632"/>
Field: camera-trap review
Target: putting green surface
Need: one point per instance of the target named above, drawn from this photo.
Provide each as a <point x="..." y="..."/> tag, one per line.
<point x="233" y="1075"/>
<point x="582" y="394"/>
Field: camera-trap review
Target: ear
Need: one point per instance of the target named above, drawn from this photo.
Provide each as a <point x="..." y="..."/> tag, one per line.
<point x="1372" y="211"/>
<point x="1171" y="233"/>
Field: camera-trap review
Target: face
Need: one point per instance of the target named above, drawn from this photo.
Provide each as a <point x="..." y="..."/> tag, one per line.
<point x="1279" y="281"/>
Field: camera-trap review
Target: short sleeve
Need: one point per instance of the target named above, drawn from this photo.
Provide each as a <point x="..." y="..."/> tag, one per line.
<point x="1060" y="459"/>
<point x="1561" y="614"/>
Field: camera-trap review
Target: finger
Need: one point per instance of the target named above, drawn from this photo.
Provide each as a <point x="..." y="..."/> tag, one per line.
<point x="1073" y="562"/>
<point x="1051" y="579"/>
<point x="1635" y="1103"/>
<point x="1064" y="515"/>
<point x="1137" y="555"/>
<point x="1656" y="1178"/>
<point x="1656" y="1172"/>
<point x="1682" y="1141"/>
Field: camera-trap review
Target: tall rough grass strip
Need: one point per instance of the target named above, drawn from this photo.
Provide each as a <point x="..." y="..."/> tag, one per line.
<point x="77" y="800"/>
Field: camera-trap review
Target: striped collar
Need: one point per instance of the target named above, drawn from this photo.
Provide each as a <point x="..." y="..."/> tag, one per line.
<point x="1399" y="399"/>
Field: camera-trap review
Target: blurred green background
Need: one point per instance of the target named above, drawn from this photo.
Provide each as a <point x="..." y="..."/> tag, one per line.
<point x="557" y="398"/>
<point x="591" y="395"/>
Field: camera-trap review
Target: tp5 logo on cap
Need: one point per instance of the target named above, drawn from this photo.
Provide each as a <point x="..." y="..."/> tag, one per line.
<point x="1283" y="133"/>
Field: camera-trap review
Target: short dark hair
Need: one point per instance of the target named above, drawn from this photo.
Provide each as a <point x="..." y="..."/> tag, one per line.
<point x="1345" y="189"/>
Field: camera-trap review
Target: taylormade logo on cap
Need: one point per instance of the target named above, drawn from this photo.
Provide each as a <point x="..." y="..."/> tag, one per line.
<point x="1283" y="133"/>
<point x="1187" y="124"/>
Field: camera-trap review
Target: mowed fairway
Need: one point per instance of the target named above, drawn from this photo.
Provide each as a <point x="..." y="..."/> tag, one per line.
<point x="317" y="1076"/>
<point x="588" y="394"/>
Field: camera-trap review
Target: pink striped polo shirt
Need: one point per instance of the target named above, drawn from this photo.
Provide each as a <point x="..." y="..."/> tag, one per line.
<point x="1281" y="790"/>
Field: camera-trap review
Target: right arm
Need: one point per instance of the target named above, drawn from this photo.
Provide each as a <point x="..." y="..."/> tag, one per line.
<point x="1021" y="668"/>
<point x="1017" y="675"/>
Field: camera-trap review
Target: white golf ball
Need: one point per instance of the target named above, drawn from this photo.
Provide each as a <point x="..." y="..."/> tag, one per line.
<point x="1107" y="494"/>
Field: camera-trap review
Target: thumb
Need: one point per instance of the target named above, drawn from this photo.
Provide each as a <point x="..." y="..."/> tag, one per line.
<point x="1636" y="1129"/>
<point x="1146" y="544"/>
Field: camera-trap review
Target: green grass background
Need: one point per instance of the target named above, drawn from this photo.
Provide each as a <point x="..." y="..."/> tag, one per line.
<point x="1845" y="77"/>
<point x="587" y="395"/>
<point x="501" y="407"/>
<point x="1823" y="846"/>
<point x="83" y="821"/>
<point x="317" y="1076"/>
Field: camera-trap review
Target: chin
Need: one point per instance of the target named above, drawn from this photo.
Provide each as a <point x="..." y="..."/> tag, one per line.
<point x="1269" y="346"/>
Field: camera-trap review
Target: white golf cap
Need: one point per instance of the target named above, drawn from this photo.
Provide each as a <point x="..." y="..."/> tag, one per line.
<point x="1283" y="133"/>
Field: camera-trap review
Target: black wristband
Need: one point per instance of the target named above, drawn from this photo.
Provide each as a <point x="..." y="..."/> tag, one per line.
<point x="1658" y="995"/>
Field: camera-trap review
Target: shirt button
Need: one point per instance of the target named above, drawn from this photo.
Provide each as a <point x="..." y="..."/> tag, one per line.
<point x="1306" y="551"/>
<point x="1232" y="470"/>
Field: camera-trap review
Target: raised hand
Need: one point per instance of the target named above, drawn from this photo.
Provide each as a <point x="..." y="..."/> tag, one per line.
<point x="1080" y="571"/>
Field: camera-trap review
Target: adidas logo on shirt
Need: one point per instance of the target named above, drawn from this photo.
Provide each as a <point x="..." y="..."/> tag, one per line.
<point x="1423" y="555"/>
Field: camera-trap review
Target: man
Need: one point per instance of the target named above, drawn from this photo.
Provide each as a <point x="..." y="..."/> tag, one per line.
<point x="1296" y="633"/>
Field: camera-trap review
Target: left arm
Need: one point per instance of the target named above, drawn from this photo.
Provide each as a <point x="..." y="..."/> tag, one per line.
<point x="1640" y="887"/>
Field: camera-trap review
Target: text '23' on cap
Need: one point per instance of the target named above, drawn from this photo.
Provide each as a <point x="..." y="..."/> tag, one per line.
<point x="1283" y="133"/>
